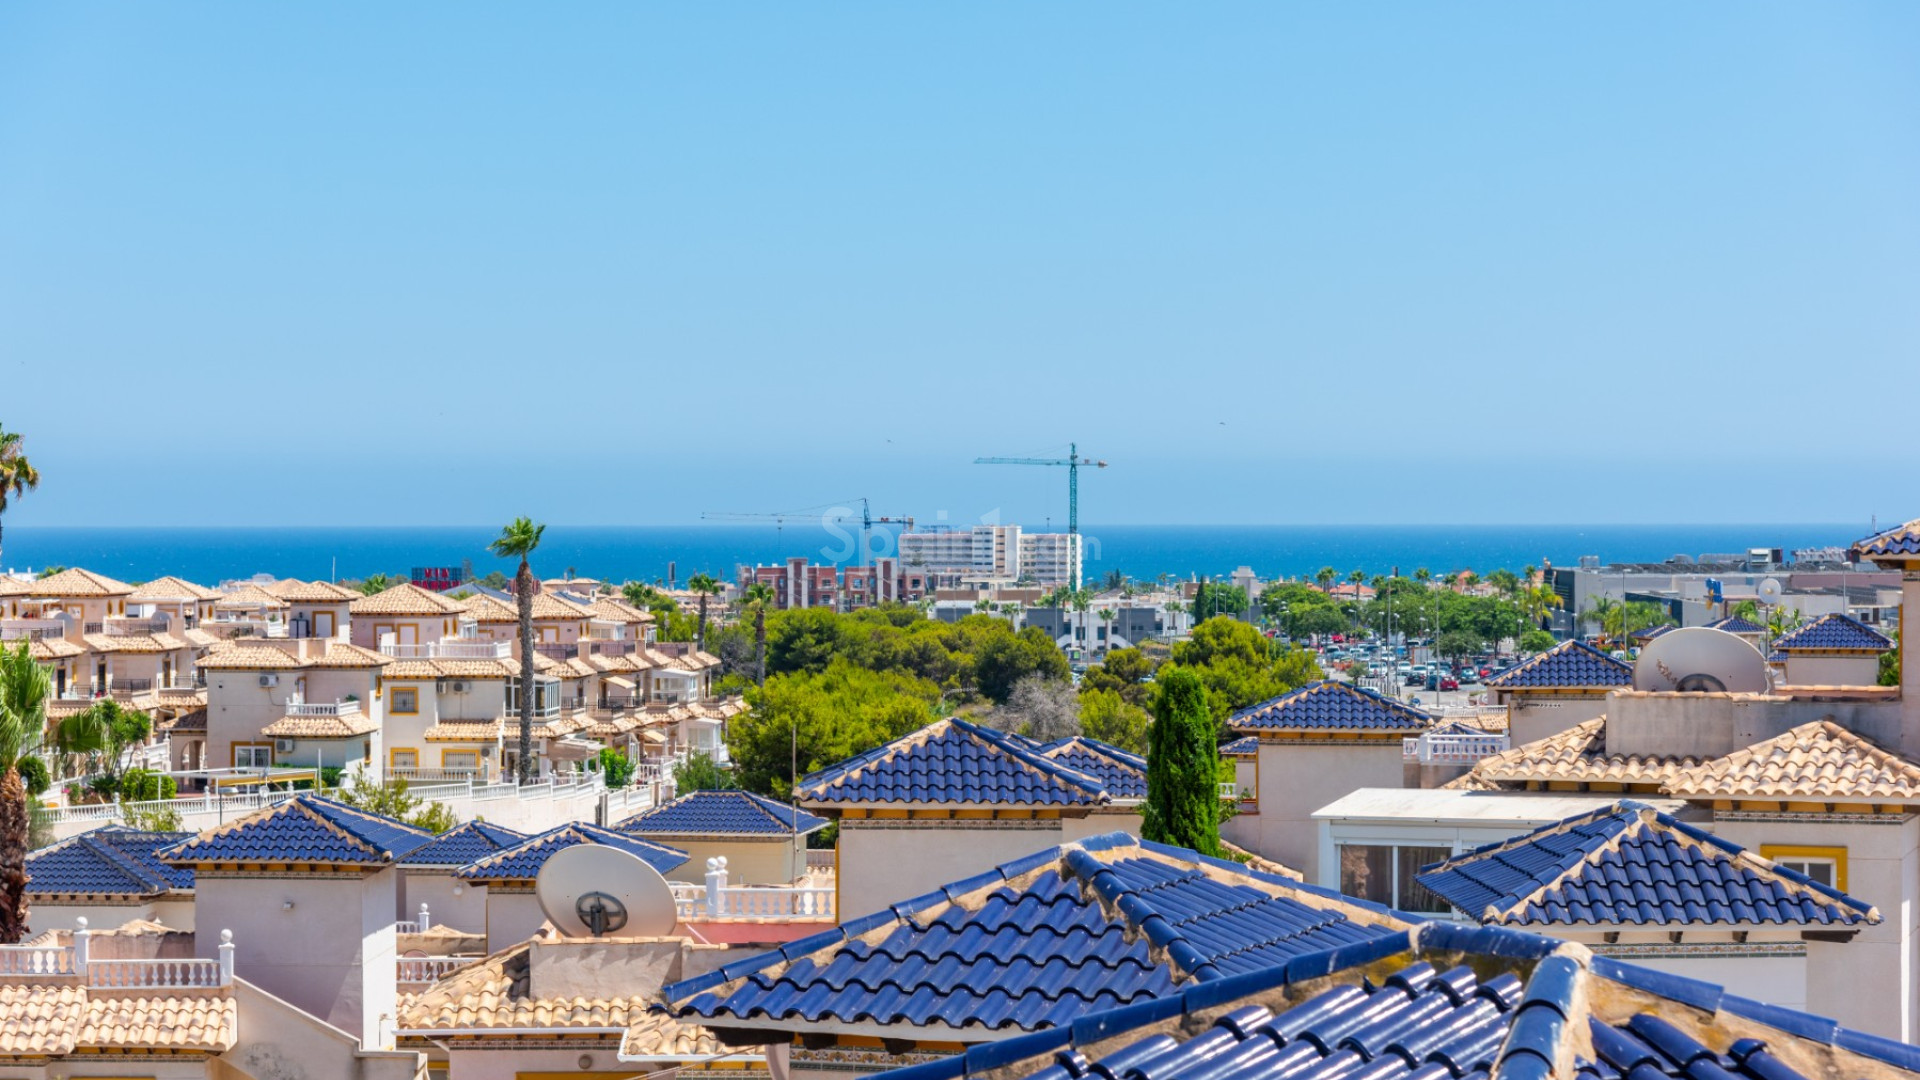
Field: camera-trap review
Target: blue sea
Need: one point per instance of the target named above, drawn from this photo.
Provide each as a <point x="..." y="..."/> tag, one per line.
<point x="621" y="553"/>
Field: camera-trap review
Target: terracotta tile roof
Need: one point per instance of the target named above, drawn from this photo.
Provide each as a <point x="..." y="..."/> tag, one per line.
<point x="295" y="591"/>
<point x="624" y="663"/>
<point x="51" y="648"/>
<point x="13" y="586"/>
<point x="192" y="720"/>
<point x="339" y="654"/>
<point x="465" y="731"/>
<point x="614" y="609"/>
<point x="546" y="606"/>
<point x="496" y="993"/>
<point x="449" y="669"/>
<point x="250" y="598"/>
<point x="160" y="1022"/>
<point x="171" y="588"/>
<point x="77" y="583"/>
<point x="406" y="598"/>
<point x="1576" y="755"/>
<point x="199" y="638"/>
<point x="249" y="654"/>
<point x="40" y="1020"/>
<point x="133" y="643"/>
<point x="1817" y="762"/>
<point x="542" y="665"/>
<point x="321" y="727"/>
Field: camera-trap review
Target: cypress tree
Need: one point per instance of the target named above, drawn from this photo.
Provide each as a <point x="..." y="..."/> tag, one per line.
<point x="1183" y="761"/>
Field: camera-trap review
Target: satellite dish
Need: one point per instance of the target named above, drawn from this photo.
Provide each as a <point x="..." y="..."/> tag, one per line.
<point x="1699" y="660"/>
<point x="592" y="890"/>
<point x="1770" y="591"/>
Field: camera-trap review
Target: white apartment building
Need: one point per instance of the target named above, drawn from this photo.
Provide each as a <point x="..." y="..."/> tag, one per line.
<point x="993" y="553"/>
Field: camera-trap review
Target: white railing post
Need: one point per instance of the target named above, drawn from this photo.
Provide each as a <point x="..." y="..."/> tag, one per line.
<point x="81" y="946"/>
<point x="424" y="922"/>
<point x="226" y="958"/>
<point x="716" y="881"/>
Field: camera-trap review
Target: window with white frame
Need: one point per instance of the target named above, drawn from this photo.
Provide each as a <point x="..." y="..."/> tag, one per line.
<point x="252" y="757"/>
<point x="1385" y="873"/>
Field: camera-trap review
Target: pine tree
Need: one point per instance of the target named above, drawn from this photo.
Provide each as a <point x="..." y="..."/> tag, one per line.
<point x="1183" y="761"/>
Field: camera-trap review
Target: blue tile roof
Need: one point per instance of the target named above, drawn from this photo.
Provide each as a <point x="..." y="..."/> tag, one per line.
<point x="722" y="813"/>
<point x="1241" y="747"/>
<point x="1568" y="665"/>
<point x="462" y="845"/>
<point x="1897" y="541"/>
<point x="305" y="829"/>
<point x="1628" y="864"/>
<point x="1513" y="1007"/>
<point x="110" y="861"/>
<point x="1035" y="943"/>
<point x="1123" y="773"/>
<point x="1836" y="632"/>
<point x="1734" y="624"/>
<point x="1330" y="706"/>
<point x="522" y="861"/>
<point x="953" y="761"/>
<point x="1652" y="632"/>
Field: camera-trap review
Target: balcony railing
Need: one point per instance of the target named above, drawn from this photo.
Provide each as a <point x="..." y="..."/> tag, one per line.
<point x="323" y="708"/>
<point x="429" y="969"/>
<point x="557" y="651"/>
<point x="31" y="629"/>
<point x="131" y="686"/>
<point x="128" y="627"/>
<point x="610" y="646"/>
<point x="447" y="649"/>
<point x="1452" y="749"/>
<point x="47" y="961"/>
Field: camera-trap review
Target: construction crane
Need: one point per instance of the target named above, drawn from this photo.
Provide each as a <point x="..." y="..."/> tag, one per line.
<point x="821" y="514"/>
<point x="1072" y="461"/>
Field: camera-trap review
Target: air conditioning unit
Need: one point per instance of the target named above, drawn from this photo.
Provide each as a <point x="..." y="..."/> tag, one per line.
<point x="269" y="680"/>
<point x="459" y="686"/>
<point x="283" y="746"/>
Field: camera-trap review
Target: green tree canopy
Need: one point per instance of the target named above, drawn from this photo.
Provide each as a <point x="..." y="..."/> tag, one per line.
<point x="1183" y="764"/>
<point x="833" y="714"/>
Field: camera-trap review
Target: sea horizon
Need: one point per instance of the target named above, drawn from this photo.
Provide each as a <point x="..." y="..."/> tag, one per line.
<point x="210" y="554"/>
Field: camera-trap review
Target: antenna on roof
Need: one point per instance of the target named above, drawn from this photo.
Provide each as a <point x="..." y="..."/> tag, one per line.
<point x="592" y="890"/>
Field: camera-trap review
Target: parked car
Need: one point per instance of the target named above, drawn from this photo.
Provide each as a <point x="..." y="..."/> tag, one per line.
<point x="1448" y="682"/>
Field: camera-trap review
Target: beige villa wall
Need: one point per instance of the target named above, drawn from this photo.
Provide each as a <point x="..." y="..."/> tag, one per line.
<point x="1100" y="824"/>
<point x="1715" y="725"/>
<point x="1806" y="670"/>
<point x="512" y="917"/>
<point x="885" y="863"/>
<point x="749" y="862"/>
<point x="277" y="1041"/>
<point x="1297" y="779"/>
<point x="239" y="708"/>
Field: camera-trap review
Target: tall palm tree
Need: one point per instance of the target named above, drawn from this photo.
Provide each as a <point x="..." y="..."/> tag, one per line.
<point x="1600" y="611"/>
<point x="758" y="596"/>
<point x="706" y="586"/>
<point x="517" y="541"/>
<point x="1422" y="575"/>
<point x="24" y="688"/>
<point x="17" y="476"/>
<point x="1326" y="577"/>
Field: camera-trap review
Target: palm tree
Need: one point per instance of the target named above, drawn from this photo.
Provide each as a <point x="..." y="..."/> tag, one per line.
<point x="375" y="583"/>
<point x="706" y="586"/>
<point x="757" y="597"/>
<point x="518" y="540"/>
<point x="17" y="477"/>
<point x="24" y="688"/>
<point x="1326" y="577"/>
<point x="1107" y="615"/>
<point x="1422" y="575"/>
<point x="1537" y="601"/>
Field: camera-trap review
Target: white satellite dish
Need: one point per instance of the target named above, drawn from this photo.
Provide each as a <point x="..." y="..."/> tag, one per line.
<point x="592" y="890"/>
<point x="1701" y="660"/>
<point x="1770" y="591"/>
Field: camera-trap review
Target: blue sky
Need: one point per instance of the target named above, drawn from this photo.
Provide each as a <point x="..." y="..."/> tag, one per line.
<point x="623" y="263"/>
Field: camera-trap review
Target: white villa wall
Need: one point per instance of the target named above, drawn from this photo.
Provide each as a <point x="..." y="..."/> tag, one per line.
<point x="1870" y="980"/>
<point x="1531" y="718"/>
<point x="512" y="917"/>
<point x="1829" y="670"/>
<point x="514" y="1063"/>
<point x="331" y="953"/>
<point x="1100" y="823"/>
<point x="278" y="1041"/>
<point x="1297" y="779"/>
<point x="881" y="863"/>
<point x="450" y="901"/>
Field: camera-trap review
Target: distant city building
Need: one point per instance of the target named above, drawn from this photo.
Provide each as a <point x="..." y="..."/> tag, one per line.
<point x="986" y="553"/>
<point x="798" y="583"/>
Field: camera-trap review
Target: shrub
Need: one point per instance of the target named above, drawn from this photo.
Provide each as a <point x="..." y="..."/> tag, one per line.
<point x="145" y="785"/>
<point x="33" y="773"/>
<point x="616" y="765"/>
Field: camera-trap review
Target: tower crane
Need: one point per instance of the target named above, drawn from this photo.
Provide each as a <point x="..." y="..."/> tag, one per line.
<point x="1072" y="461"/>
<point x="821" y="514"/>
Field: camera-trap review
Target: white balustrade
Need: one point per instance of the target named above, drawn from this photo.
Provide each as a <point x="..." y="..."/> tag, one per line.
<point x="117" y="974"/>
<point x="718" y="900"/>
<point x="153" y="974"/>
<point x="323" y="708"/>
<point x="18" y="960"/>
<point x="1431" y="749"/>
<point x="427" y="969"/>
<point x="414" y="926"/>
